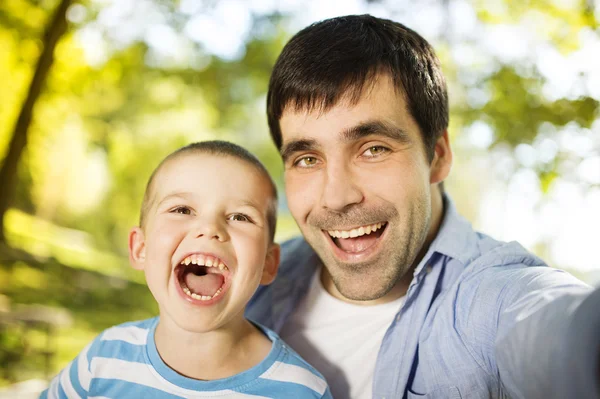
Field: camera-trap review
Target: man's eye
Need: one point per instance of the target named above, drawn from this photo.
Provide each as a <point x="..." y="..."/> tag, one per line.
<point x="306" y="162"/>
<point x="239" y="217"/>
<point x="184" y="210"/>
<point x="375" y="151"/>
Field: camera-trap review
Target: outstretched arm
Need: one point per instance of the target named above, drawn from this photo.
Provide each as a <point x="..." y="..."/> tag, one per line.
<point x="548" y="341"/>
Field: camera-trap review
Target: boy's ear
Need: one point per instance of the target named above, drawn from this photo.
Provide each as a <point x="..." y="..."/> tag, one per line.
<point x="137" y="248"/>
<point x="271" y="264"/>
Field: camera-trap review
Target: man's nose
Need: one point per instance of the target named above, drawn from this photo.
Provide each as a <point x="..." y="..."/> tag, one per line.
<point x="211" y="228"/>
<point x="341" y="188"/>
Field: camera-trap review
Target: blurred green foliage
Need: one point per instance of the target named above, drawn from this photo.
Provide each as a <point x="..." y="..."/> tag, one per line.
<point x="100" y="128"/>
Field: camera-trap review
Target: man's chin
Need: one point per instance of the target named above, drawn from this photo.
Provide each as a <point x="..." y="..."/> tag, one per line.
<point x="358" y="282"/>
<point x="361" y="293"/>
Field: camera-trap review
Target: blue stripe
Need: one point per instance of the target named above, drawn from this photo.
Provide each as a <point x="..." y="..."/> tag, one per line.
<point x="278" y="389"/>
<point x="121" y="350"/>
<point x="74" y="377"/>
<point x="61" y="392"/>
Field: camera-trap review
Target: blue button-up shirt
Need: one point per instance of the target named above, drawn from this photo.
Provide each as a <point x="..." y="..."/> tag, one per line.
<point x="481" y="319"/>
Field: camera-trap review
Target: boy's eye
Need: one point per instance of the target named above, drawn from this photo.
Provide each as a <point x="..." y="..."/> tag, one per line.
<point x="184" y="210"/>
<point x="239" y="217"/>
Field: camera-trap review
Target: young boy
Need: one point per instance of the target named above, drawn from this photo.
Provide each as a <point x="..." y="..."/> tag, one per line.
<point x="205" y="243"/>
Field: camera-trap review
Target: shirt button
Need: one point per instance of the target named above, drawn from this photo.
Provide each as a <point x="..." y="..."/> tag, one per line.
<point x="428" y="269"/>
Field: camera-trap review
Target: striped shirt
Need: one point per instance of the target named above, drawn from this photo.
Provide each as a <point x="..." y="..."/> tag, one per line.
<point x="123" y="362"/>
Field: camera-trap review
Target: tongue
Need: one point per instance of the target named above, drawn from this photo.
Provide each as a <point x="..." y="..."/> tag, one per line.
<point x="204" y="285"/>
<point x="357" y="244"/>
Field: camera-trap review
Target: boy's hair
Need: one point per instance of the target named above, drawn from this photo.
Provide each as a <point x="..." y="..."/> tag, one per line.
<point x="217" y="147"/>
<point x="336" y="58"/>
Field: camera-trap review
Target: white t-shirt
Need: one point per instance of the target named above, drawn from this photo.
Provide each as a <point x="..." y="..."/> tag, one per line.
<point x="340" y="339"/>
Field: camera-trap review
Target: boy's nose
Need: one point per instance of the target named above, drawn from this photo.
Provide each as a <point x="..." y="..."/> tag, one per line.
<point x="211" y="230"/>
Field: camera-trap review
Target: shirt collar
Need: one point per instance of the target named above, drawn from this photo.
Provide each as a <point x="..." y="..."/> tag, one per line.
<point x="455" y="239"/>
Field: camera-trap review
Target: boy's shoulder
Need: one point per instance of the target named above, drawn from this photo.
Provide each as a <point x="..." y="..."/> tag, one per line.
<point x="290" y="367"/>
<point x="134" y="331"/>
<point x="123" y="340"/>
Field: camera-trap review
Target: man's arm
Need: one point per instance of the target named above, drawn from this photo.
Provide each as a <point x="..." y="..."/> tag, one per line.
<point x="548" y="340"/>
<point x="582" y="349"/>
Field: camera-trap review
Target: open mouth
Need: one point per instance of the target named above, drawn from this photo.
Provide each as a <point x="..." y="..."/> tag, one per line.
<point x="202" y="277"/>
<point x="358" y="239"/>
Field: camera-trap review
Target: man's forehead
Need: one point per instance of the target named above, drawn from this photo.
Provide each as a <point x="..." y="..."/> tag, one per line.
<point x="377" y="91"/>
<point x="347" y="124"/>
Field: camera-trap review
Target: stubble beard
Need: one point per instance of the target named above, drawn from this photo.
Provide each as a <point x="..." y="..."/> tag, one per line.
<point x="374" y="279"/>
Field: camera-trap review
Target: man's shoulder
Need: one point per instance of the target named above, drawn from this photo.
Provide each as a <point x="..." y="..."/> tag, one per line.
<point x="297" y="256"/>
<point x="295" y="246"/>
<point x="479" y="266"/>
<point x="473" y="250"/>
<point x="501" y="274"/>
<point x="497" y="264"/>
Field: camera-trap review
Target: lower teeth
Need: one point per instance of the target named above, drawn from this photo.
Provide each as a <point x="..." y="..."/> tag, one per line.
<point x="200" y="297"/>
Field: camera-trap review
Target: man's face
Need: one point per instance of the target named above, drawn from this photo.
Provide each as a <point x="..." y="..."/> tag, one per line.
<point x="206" y="245"/>
<point x="358" y="183"/>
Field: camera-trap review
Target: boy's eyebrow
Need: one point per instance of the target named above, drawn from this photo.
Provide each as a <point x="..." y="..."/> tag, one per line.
<point x="353" y="133"/>
<point x="173" y="195"/>
<point x="253" y="206"/>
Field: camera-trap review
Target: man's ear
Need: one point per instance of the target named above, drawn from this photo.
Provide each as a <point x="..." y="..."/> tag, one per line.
<point x="137" y="248"/>
<point x="271" y="264"/>
<point x="442" y="160"/>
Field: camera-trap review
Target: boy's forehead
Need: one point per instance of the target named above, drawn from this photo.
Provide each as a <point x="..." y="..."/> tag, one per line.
<point x="195" y="171"/>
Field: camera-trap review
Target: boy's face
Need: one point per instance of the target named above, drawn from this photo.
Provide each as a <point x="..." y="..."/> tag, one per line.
<point x="205" y="247"/>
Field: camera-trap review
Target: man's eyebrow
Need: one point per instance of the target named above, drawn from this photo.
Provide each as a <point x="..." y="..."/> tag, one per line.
<point x="296" y="146"/>
<point x="376" y="127"/>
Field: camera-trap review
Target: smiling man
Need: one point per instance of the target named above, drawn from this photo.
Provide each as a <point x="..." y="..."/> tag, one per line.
<point x="391" y="293"/>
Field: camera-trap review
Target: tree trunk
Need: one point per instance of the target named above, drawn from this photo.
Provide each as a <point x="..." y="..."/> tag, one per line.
<point x="8" y="172"/>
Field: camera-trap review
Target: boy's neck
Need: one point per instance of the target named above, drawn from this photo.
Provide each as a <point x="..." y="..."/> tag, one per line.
<point x="212" y="355"/>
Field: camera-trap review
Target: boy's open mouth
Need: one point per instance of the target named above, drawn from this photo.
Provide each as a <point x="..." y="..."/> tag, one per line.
<point x="201" y="277"/>
<point x="357" y="239"/>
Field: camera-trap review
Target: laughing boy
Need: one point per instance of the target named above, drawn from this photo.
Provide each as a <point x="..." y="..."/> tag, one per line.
<point x="205" y="243"/>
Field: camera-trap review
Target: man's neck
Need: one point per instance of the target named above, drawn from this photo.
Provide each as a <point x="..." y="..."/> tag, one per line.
<point x="211" y="355"/>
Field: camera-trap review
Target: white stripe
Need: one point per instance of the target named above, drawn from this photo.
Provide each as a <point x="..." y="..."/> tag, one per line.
<point x="143" y="374"/>
<point x="133" y="335"/>
<point x="83" y="371"/>
<point x="97" y="397"/>
<point x="290" y="373"/>
<point x="65" y="381"/>
<point x="53" y="390"/>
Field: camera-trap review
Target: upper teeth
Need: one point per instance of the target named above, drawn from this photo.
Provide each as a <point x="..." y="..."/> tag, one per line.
<point x="359" y="231"/>
<point x="204" y="260"/>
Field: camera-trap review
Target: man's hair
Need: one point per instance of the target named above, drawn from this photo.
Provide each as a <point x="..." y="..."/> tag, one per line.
<point x="217" y="147"/>
<point x="337" y="58"/>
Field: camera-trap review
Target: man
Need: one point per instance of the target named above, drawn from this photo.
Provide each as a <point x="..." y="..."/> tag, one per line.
<point x="391" y="294"/>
